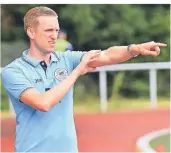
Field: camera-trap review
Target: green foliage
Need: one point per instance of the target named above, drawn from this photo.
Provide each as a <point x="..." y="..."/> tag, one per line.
<point x="163" y="83"/>
<point x="4" y="98"/>
<point x="84" y="90"/>
<point x="118" y="84"/>
<point x="99" y="27"/>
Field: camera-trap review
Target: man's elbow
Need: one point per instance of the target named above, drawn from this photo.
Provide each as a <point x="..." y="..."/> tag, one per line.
<point x="43" y="109"/>
<point x="42" y="106"/>
<point x="45" y="106"/>
<point x="35" y="100"/>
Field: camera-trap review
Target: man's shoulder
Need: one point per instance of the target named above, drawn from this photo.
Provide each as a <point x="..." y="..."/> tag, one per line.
<point x="15" y="64"/>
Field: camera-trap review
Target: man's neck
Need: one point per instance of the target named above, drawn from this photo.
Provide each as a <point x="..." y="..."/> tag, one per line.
<point x="34" y="53"/>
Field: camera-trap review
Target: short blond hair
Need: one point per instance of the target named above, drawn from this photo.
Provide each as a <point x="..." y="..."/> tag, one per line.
<point x="31" y="17"/>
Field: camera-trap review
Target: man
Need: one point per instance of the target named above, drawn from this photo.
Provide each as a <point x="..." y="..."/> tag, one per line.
<point x="40" y="83"/>
<point x="61" y="43"/>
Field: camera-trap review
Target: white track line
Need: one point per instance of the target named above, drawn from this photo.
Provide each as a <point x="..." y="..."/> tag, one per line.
<point x="143" y="142"/>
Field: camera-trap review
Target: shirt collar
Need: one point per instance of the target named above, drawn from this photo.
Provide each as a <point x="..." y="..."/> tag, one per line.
<point x="35" y="62"/>
<point x="54" y="57"/>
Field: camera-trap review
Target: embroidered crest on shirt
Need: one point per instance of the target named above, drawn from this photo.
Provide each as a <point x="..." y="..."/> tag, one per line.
<point x="61" y="74"/>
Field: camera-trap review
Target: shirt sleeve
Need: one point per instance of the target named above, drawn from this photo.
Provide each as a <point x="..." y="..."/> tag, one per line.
<point x="15" y="82"/>
<point x="74" y="57"/>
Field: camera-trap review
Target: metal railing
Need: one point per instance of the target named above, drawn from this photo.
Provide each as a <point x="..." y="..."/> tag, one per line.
<point x="152" y="67"/>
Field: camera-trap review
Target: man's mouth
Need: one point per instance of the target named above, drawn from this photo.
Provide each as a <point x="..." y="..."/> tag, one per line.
<point x="51" y="42"/>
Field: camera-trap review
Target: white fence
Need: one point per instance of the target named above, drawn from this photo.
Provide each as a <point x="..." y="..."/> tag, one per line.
<point x="152" y="67"/>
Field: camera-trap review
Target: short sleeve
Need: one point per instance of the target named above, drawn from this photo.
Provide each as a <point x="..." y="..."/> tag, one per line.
<point x="74" y="57"/>
<point x="15" y="82"/>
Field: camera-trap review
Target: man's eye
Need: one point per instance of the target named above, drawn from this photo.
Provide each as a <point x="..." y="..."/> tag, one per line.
<point x="49" y="30"/>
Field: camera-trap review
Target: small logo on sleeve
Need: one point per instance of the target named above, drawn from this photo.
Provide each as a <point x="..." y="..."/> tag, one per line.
<point x="61" y="74"/>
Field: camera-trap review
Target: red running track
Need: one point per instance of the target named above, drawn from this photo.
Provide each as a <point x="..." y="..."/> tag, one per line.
<point x="115" y="132"/>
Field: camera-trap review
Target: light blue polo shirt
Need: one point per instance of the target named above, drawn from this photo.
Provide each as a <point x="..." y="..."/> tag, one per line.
<point x="36" y="131"/>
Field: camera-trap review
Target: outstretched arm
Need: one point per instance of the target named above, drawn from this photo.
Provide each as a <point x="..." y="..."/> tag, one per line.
<point x="118" y="54"/>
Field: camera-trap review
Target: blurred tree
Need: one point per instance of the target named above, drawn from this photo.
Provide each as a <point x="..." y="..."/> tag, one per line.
<point x="101" y="26"/>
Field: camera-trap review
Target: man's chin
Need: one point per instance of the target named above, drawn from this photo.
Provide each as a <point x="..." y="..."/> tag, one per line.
<point x="49" y="51"/>
<point x="46" y="51"/>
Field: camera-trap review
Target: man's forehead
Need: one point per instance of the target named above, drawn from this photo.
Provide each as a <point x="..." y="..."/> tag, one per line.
<point x="48" y="20"/>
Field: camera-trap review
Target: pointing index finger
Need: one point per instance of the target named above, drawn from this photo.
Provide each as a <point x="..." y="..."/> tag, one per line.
<point x="159" y="44"/>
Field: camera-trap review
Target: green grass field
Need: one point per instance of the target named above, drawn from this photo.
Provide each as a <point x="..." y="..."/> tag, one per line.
<point x="92" y="105"/>
<point x="163" y="140"/>
<point x="119" y="104"/>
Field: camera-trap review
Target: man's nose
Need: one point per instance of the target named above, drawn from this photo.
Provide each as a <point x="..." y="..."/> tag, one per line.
<point x="54" y="35"/>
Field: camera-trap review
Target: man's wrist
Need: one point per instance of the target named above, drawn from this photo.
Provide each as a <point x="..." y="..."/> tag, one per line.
<point x="78" y="70"/>
<point x="132" y="50"/>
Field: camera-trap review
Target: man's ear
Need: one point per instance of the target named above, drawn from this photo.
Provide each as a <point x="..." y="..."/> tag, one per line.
<point x="30" y="32"/>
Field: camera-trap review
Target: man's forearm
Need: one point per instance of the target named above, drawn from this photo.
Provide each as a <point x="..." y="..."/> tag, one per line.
<point x="113" y="55"/>
<point x="55" y="94"/>
<point x="119" y="54"/>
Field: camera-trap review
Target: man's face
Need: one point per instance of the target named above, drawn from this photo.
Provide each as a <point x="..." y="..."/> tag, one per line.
<point x="45" y="33"/>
